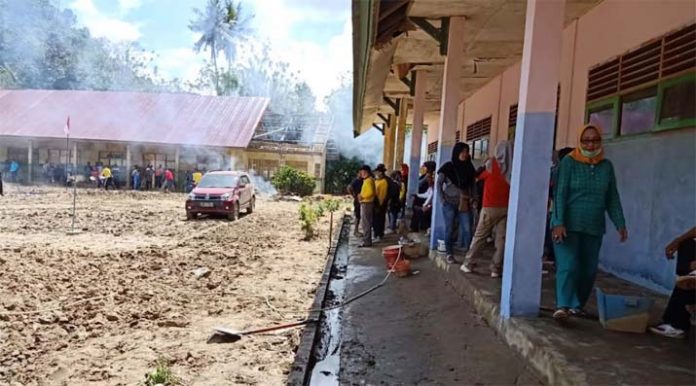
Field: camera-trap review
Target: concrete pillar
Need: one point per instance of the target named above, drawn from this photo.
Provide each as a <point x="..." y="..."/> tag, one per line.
<point x="127" y="173"/>
<point x="177" y="178"/>
<point x="389" y="134"/>
<point x="75" y="158"/>
<point x="400" y="136"/>
<point x="30" y="162"/>
<point x="417" y="132"/>
<point x="448" y="115"/>
<point x="541" y="56"/>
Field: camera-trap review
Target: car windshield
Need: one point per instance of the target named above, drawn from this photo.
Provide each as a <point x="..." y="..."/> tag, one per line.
<point x="218" y="181"/>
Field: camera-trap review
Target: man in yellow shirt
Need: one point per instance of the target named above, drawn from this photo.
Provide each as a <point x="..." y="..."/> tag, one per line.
<point x="196" y="176"/>
<point x="380" y="210"/>
<point x="107" y="178"/>
<point x="367" y="204"/>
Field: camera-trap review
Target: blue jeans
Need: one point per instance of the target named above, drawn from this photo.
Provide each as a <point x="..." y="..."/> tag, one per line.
<point x="451" y="212"/>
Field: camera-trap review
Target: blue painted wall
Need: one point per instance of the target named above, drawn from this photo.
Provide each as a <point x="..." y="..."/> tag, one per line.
<point x="656" y="176"/>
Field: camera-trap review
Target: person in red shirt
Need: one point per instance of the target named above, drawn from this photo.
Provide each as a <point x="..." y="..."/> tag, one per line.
<point x="493" y="218"/>
<point x="168" y="180"/>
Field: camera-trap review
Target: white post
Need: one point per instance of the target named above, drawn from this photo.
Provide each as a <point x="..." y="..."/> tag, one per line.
<point x="526" y="225"/>
<point x="448" y="115"/>
<point x="417" y="132"/>
<point x="30" y="161"/>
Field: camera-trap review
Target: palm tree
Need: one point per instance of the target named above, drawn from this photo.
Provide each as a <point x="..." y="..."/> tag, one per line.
<point x="221" y="27"/>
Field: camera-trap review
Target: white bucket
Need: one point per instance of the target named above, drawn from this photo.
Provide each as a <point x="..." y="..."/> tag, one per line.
<point x="441" y="247"/>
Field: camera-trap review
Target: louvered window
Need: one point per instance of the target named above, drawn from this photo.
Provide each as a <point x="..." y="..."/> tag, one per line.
<point x="432" y="147"/>
<point x="671" y="54"/>
<point x="512" y="116"/>
<point x="458" y="136"/>
<point x="478" y="129"/>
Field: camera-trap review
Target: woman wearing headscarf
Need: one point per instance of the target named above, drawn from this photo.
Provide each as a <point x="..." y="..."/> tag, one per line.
<point x="493" y="217"/>
<point x="585" y="190"/>
<point x="455" y="181"/>
<point x="420" y="220"/>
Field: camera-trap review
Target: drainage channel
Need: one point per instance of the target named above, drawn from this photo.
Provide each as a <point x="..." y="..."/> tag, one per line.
<point x="317" y="361"/>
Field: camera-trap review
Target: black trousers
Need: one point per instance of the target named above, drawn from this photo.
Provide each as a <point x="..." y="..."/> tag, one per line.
<point x="379" y="220"/>
<point x="676" y="313"/>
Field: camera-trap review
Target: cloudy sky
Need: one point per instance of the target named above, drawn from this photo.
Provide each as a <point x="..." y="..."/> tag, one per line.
<point x="314" y="36"/>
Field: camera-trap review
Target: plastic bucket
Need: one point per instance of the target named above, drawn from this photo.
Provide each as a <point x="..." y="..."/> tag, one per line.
<point x="390" y="254"/>
<point x="402" y="268"/>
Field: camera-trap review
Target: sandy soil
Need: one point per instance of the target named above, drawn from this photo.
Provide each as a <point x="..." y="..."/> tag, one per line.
<point x="133" y="261"/>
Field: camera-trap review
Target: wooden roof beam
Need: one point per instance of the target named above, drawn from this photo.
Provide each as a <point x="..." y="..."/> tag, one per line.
<point x="439" y="34"/>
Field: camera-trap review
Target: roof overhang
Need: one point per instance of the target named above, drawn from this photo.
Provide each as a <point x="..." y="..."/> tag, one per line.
<point x="385" y="54"/>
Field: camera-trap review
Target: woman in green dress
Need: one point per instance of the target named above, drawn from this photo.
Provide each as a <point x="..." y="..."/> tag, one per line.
<point x="585" y="191"/>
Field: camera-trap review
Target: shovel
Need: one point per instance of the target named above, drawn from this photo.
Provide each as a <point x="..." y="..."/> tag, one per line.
<point x="226" y="335"/>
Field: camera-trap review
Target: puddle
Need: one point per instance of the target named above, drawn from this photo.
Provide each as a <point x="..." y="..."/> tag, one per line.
<point x="328" y="349"/>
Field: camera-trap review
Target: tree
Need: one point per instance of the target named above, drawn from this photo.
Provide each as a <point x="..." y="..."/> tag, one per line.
<point x="228" y="81"/>
<point x="221" y="27"/>
<point x="340" y="173"/>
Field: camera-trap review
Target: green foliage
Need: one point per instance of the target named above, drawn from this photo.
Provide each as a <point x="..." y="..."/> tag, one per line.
<point x="162" y="375"/>
<point x="332" y="204"/>
<point x="320" y="209"/>
<point x="340" y="173"/>
<point x="42" y="47"/>
<point x="288" y="180"/>
<point x="308" y="220"/>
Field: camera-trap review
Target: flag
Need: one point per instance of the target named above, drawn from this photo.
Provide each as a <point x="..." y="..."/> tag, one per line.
<point x="66" y="129"/>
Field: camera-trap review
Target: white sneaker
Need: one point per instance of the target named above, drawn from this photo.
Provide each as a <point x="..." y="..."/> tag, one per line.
<point x="668" y="331"/>
<point x="466" y="268"/>
<point x="495" y="274"/>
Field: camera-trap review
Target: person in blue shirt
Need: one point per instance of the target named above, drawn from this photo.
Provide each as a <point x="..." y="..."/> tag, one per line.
<point x="14" y="169"/>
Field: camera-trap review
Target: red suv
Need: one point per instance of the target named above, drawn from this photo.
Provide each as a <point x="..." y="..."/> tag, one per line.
<point x="222" y="193"/>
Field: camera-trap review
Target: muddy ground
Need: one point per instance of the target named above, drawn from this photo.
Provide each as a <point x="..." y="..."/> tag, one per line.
<point x="121" y="294"/>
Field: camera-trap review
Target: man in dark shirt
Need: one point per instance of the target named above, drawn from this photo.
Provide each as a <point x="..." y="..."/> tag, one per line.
<point x="354" y="190"/>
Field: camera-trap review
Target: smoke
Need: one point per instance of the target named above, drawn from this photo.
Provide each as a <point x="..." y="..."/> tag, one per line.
<point x="367" y="147"/>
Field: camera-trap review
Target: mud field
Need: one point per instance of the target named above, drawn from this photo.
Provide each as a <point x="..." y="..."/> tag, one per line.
<point x="104" y="306"/>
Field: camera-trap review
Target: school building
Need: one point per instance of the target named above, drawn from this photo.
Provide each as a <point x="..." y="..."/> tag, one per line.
<point x="179" y="131"/>
<point x="535" y="72"/>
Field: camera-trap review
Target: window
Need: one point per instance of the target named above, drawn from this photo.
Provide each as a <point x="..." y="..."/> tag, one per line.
<point x="166" y="160"/>
<point x="678" y="102"/>
<point x="245" y="180"/>
<point x="297" y="165"/>
<point x="477" y="135"/>
<point x="317" y="170"/>
<point x="56" y="156"/>
<point x="480" y="148"/>
<point x="432" y="148"/>
<point x="603" y="117"/>
<point x="638" y="111"/>
<point x="652" y="87"/>
<point x="112" y="158"/>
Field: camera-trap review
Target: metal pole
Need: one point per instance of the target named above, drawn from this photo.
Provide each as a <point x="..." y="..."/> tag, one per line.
<point x="67" y="157"/>
<point x="74" y="182"/>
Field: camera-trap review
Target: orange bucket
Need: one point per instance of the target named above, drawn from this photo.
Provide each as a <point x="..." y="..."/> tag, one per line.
<point x="391" y="254"/>
<point x="402" y="268"/>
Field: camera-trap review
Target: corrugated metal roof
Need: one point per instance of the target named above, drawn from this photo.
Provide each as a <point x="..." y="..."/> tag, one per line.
<point x="183" y="119"/>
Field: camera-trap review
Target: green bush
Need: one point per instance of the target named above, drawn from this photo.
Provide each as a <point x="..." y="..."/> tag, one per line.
<point x="288" y="180"/>
<point x="308" y="219"/>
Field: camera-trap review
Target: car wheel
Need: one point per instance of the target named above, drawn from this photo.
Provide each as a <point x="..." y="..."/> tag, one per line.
<point x="252" y="206"/>
<point x="191" y="215"/>
<point x="234" y="215"/>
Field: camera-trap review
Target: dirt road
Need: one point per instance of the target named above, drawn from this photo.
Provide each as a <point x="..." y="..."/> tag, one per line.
<point x="122" y="294"/>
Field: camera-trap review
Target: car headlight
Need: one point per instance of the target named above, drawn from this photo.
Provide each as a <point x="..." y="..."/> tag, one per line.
<point x="191" y="196"/>
<point x="225" y="197"/>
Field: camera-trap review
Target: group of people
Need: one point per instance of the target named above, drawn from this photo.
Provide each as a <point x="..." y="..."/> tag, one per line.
<point x="151" y="178"/>
<point x="378" y="196"/>
<point x="583" y="190"/>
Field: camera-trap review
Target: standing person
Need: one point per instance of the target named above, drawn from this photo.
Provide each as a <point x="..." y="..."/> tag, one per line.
<point x="493" y="217"/>
<point x="135" y="178"/>
<point x="168" y="181"/>
<point x="381" y="193"/>
<point x="14" y="170"/>
<point x="404" y="181"/>
<point x="367" y="204"/>
<point x="107" y="177"/>
<point x="1" y="192"/>
<point x="395" y="192"/>
<point x="149" y="175"/>
<point x="455" y="181"/>
<point x="158" y="177"/>
<point x="676" y="318"/>
<point x="88" y="170"/>
<point x="354" y="190"/>
<point x="189" y="182"/>
<point x="585" y="191"/>
<point x="197" y="175"/>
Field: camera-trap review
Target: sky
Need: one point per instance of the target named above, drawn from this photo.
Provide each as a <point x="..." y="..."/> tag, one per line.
<point x="313" y="36"/>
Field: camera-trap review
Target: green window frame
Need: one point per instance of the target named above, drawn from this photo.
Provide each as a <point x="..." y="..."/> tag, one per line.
<point x="661" y="87"/>
<point x="614" y="103"/>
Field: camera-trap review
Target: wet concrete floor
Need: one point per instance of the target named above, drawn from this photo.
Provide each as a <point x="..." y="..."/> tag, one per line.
<point x="417" y="330"/>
